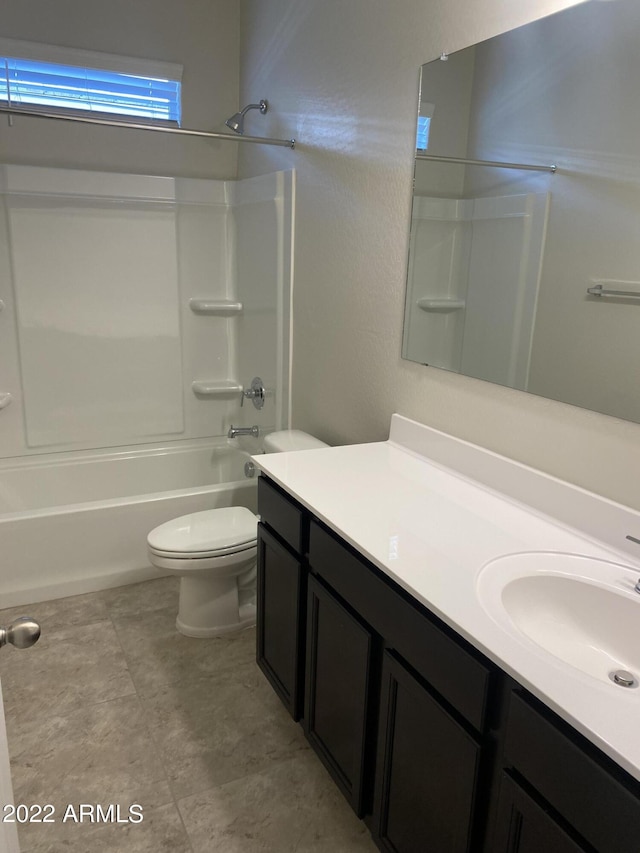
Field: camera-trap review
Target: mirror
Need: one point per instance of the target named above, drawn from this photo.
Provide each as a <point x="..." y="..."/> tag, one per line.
<point x="524" y="276"/>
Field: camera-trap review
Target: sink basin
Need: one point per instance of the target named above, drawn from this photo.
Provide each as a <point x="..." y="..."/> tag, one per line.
<point x="582" y="610"/>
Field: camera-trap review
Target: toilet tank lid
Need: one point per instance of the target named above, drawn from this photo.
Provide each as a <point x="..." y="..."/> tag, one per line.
<point x="291" y="439"/>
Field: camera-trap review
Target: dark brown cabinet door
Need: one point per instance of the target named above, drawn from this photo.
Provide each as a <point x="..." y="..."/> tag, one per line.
<point x="426" y="770"/>
<point x="525" y="827"/>
<point x="280" y="600"/>
<point x="337" y="695"/>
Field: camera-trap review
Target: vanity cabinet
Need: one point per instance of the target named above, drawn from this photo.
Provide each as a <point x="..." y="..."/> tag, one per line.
<point x="281" y="593"/>
<point x="427" y="769"/>
<point x="525" y="826"/>
<point x="556" y="785"/>
<point x="423" y="701"/>
<point x="340" y="699"/>
<point x="430" y="742"/>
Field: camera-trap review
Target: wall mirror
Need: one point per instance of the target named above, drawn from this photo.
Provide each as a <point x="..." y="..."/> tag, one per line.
<point x="524" y="276"/>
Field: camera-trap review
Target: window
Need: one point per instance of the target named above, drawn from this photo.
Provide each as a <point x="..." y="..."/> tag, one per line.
<point x="422" y="136"/>
<point x="88" y="83"/>
<point x="424" y="125"/>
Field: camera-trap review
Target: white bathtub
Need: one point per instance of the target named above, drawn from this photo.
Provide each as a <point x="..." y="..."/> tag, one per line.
<point x="73" y="523"/>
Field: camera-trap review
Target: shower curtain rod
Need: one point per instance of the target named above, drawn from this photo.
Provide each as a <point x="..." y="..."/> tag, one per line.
<point x="180" y="131"/>
<point x="464" y="161"/>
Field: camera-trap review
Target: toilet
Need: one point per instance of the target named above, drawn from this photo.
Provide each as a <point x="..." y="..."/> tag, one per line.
<point x="214" y="552"/>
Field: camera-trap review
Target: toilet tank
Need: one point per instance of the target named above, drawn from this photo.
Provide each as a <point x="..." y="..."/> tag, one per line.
<point x="290" y="439"/>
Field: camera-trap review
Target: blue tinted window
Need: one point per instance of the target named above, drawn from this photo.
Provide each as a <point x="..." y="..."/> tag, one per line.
<point x="422" y="136"/>
<point x="44" y="85"/>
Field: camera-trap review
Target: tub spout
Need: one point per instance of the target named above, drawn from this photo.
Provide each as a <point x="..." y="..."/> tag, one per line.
<point x="234" y="432"/>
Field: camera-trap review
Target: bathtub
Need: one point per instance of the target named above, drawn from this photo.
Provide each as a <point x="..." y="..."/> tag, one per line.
<point x="74" y="523"/>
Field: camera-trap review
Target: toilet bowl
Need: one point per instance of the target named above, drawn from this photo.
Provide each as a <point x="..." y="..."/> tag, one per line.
<point x="214" y="553"/>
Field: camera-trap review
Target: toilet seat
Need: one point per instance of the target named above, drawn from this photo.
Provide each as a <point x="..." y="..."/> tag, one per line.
<point x="211" y="533"/>
<point x="226" y="565"/>
<point x="197" y="555"/>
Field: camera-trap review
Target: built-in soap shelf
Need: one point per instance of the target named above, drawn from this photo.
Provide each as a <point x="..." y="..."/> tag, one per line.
<point x="216" y="388"/>
<point x="217" y="307"/>
<point x="440" y="304"/>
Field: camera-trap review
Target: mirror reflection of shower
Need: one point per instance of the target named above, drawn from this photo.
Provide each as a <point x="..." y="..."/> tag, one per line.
<point x="505" y="263"/>
<point x="472" y="285"/>
<point x="236" y="122"/>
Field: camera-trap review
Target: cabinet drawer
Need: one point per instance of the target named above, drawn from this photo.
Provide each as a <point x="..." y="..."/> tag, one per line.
<point x="455" y="673"/>
<point x="282" y="515"/>
<point x="582" y="786"/>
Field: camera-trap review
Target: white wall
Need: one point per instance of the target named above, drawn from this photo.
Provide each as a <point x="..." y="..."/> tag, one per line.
<point x="342" y="78"/>
<point x="263" y="217"/>
<point x="98" y="344"/>
<point x="202" y="35"/>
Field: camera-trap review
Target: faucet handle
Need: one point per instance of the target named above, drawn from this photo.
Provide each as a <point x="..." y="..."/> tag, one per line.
<point x="255" y="393"/>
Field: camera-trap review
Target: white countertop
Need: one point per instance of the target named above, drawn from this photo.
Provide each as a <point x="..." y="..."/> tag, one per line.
<point x="425" y="508"/>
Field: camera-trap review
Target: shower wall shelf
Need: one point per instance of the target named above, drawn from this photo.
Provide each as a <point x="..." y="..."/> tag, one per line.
<point x="217" y="388"/>
<point x="13" y="111"/>
<point x="440" y="304"/>
<point x="465" y="161"/>
<point x="219" y="307"/>
<point x="5" y="399"/>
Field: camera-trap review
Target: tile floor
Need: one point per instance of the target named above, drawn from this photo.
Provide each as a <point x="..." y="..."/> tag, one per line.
<point x="112" y="706"/>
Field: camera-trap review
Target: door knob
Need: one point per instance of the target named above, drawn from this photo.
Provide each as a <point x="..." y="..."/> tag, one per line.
<point x="21" y="633"/>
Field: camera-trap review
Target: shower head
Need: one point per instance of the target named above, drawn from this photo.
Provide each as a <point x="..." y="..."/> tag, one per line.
<point x="236" y="122"/>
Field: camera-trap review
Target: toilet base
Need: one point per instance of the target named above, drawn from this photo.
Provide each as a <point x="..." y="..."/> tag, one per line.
<point x="247" y="620"/>
<point x="211" y="605"/>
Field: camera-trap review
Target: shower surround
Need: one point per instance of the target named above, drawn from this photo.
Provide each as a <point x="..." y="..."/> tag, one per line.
<point x="134" y="310"/>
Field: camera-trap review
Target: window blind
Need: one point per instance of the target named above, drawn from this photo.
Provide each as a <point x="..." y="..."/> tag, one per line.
<point x="52" y="86"/>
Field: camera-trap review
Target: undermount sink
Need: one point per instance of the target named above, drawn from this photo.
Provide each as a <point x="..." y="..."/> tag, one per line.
<point x="579" y="609"/>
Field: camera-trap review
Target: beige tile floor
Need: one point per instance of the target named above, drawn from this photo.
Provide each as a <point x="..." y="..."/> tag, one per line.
<point x="112" y="706"/>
